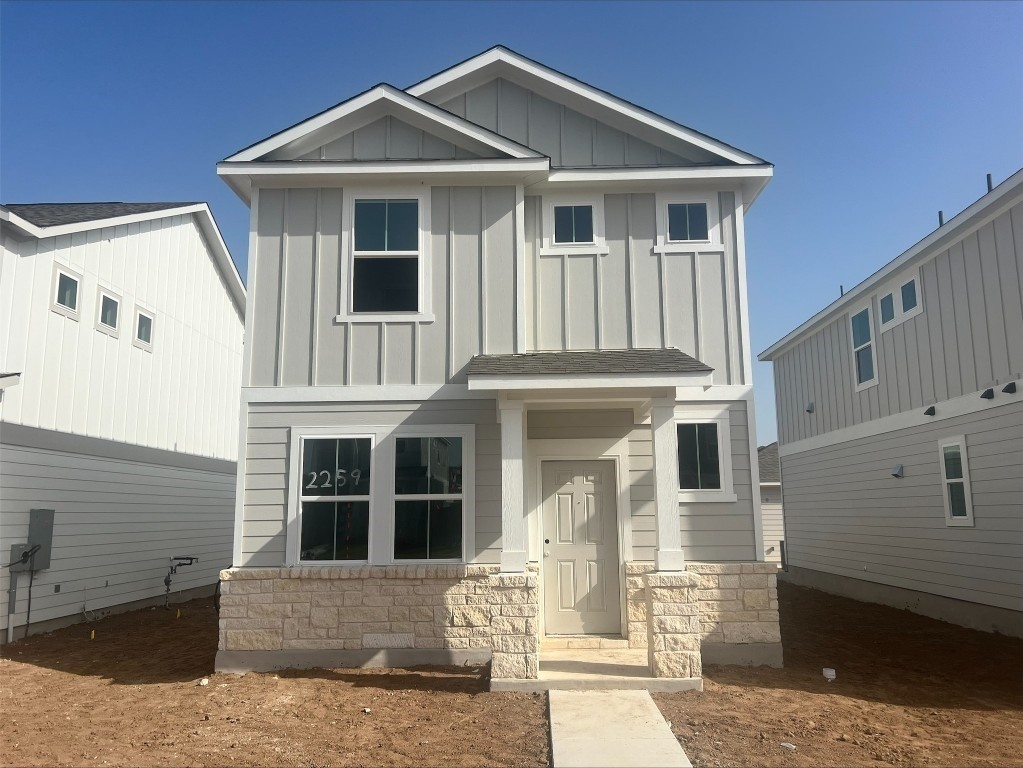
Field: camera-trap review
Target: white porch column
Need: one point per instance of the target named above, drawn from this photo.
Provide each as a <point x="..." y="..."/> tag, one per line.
<point x="669" y="555"/>
<point x="513" y="507"/>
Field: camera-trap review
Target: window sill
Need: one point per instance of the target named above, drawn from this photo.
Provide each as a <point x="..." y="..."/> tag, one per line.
<point x="60" y="309"/>
<point x="142" y="345"/>
<point x="720" y="497"/>
<point x="113" y="332"/>
<point x="702" y="246"/>
<point x="900" y="319"/>
<point x="411" y="317"/>
<point x="959" y="523"/>
<point x="582" y="249"/>
<point x="866" y="385"/>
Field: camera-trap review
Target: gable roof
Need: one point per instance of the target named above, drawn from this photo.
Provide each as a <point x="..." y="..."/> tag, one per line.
<point x="42" y="220"/>
<point x="500" y="61"/>
<point x="770" y="466"/>
<point x="370" y="105"/>
<point x="981" y="211"/>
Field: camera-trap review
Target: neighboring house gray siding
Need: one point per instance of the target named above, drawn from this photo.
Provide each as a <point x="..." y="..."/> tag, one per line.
<point x="267" y="468"/>
<point x="845" y="514"/>
<point x="570" y="138"/>
<point x="967" y="338"/>
<point x="117" y="521"/>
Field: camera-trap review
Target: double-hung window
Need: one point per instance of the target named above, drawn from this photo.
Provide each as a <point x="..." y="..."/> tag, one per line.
<point x="955" y="479"/>
<point x="334" y="498"/>
<point x="863" y="349"/>
<point x="704" y="456"/>
<point x="428" y="498"/>
<point x="899" y="303"/>
<point x="385" y="257"/>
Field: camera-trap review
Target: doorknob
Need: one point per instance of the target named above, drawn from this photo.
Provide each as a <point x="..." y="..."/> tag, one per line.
<point x="546" y="553"/>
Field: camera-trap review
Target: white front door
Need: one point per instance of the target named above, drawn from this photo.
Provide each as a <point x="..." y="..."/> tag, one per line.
<point x="580" y="551"/>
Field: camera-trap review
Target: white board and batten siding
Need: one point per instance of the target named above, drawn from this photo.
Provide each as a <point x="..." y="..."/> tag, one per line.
<point x="845" y="514"/>
<point x="181" y="396"/>
<point x="967" y="338"/>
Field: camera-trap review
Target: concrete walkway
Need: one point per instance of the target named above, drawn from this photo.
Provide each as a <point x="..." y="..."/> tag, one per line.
<point x="611" y="729"/>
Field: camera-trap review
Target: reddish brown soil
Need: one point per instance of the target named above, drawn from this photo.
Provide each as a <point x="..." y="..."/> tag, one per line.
<point x="132" y="697"/>
<point x="909" y="691"/>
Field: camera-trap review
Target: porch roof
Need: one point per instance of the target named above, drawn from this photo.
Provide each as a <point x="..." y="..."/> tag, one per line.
<point x="586" y="368"/>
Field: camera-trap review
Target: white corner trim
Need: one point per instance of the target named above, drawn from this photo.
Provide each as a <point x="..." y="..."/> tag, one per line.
<point x="964" y="405"/>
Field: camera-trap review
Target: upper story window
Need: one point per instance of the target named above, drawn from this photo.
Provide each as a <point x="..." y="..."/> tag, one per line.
<point x="385" y="273"/>
<point x="863" y="349"/>
<point x="65" y="291"/>
<point x="109" y="311"/>
<point x="955" y="478"/>
<point x="143" y="329"/>
<point x="386" y="268"/>
<point x="704" y="455"/>
<point x="687" y="222"/>
<point x="898" y="303"/>
<point x="573" y="224"/>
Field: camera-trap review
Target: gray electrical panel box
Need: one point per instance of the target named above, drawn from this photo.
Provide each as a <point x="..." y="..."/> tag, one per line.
<point x="40" y="531"/>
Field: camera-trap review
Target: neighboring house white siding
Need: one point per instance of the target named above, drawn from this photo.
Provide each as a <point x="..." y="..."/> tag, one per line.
<point x="180" y="396"/>
<point x="774" y="525"/>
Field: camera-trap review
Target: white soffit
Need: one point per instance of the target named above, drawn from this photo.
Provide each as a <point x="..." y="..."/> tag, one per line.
<point x="369" y="106"/>
<point x="575" y="94"/>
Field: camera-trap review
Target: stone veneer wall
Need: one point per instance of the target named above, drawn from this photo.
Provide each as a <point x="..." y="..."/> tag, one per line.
<point x="357" y="608"/>
<point x="738" y="602"/>
<point x="673" y="624"/>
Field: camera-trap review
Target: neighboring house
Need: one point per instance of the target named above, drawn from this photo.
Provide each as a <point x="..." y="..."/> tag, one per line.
<point x="123" y="323"/>
<point x="498" y="370"/>
<point x="900" y="419"/>
<point x="770" y="501"/>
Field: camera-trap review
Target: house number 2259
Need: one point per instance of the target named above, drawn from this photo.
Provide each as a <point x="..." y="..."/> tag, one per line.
<point x="322" y="478"/>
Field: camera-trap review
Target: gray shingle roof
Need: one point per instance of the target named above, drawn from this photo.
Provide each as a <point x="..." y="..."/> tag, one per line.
<point x="57" y="214"/>
<point x="608" y="361"/>
<point x="770" y="467"/>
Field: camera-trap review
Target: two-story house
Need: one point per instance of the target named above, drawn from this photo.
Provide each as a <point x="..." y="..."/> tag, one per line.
<point x="121" y="341"/>
<point x="498" y="383"/>
<point x="900" y="422"/>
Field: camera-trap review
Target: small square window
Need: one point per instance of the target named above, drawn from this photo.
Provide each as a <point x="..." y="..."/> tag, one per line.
<point x="143" y="328"/>
<point x="67" y="291"/>
<point x="108" y="311"/>
<point x="887" y="308"/>
<point x="909" y="296"/>
<point x="573" y="224"/>
<point x="687" y="221"/>
<point x="386" y="225"/>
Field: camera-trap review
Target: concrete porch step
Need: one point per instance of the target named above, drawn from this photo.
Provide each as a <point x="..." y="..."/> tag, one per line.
<point x="596" y="669"/>
<point x="583" y="642"/>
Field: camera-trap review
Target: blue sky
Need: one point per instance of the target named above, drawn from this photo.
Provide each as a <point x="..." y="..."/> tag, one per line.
<point x="876" y="115"/>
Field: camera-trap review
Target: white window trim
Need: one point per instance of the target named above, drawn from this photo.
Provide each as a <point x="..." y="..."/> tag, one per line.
<point x="350" y="195"/>
<point x="719" y="416"/>
<point x="60" y="309"/>
<point x="713" y="241"/>
<point x="860" y="386"/>
<point x="380" y="540"/>
<point x="599" y="245"/>
<point x="115" y="330"/>
<point x="135" y="340"/>
<point x="956" y="522"/>
<point x="894" y="288"/>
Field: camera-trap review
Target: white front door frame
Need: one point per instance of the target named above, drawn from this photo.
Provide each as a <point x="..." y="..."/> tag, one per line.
<point x="580" y="449"/>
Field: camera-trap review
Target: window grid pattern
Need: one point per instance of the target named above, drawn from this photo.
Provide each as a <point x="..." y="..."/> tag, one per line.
<point x="863" y="347"/>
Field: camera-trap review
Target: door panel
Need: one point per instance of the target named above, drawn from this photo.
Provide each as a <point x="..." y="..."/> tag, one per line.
<point x="582" y="591"/>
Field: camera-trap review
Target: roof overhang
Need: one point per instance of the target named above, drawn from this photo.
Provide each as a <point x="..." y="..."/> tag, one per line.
<point x="242" y="177"/>
<point x="975" y="216"/>
<point x="575" y="94"/>
<point x="201" y="213"/>
<point x="369" y="106"/>
<point x="588" y="381"/>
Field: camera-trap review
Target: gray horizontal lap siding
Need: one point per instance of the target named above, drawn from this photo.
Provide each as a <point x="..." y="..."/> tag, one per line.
<point x="969" y="335"/>
<point x="267" y="464"/>
<point x="116" y="524"/>
<point x="845" y="514"/>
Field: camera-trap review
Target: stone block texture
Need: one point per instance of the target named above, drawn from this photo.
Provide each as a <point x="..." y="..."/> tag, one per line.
<point x="738" y="602"/>
<point x="370" y="607"/>
<point x="673" y="624"/>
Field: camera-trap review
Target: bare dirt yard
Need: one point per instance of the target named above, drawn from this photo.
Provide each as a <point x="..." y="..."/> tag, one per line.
<point x="132" y="697"/>
<point x="909" y="691"/>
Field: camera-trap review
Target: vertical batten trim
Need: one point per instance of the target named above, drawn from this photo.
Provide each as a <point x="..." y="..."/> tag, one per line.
<point x="566" y="338"/>
<point x="561" y="134"/>
<point x="520" y="268"/>
<point x="726" y="303"/>
<point x="662" y="322"/>
<point x="451" y="282"/>
<point x="282" y="285"/>
<point x="537" y="308"/>
<point x="630" y="276"/>
<point x="598" y="290"/>
<point x="315" y="335"/>
<point x="482" y="256"/>
<point x="697" y="307"/>
<point x="381" y="352"/>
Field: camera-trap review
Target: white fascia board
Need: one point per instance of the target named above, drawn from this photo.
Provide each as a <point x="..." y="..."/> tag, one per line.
<point x="667" y="173"/>
<point x="390" y="94"/>
<point x="222" y="256"/>
<point x="985" y="209"/>
<point x="595" y="95"/>
<point x="587" y="381"/>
